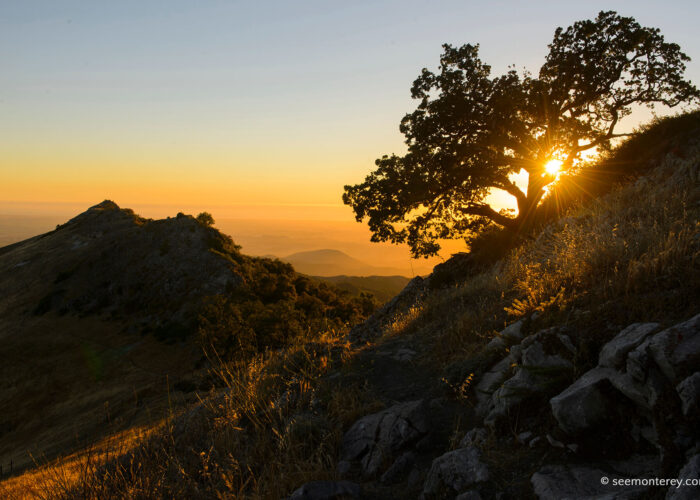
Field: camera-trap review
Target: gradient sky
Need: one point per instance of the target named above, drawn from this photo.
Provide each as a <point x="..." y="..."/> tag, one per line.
<point x="216" y="104"/>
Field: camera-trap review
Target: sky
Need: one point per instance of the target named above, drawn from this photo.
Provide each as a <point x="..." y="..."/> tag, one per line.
<point x="245" y="109"/>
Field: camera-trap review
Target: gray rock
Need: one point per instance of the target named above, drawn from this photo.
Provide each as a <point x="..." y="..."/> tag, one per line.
<point x="404" y="354"/>
<point x="558" y="482"/>
<point x="375" y="438"/>
<point x="327" y="490"/>
<point x="677" y="349"/>
<point x="614" y="353"/>
<point x="525" y="437"/>
<point x="454" y="472"/>
<point x="567" y="343"/>
<point x="343" y="468"/>
<point x="689" y="392"/>
<point x="474" y="437"/>
<point x="510" y="335"/>
<point x="554" y="442"/>
<point x="690" y="471"/>
<point x="582" y="405"/>
<point x="469" y="495"/>
<point x="535" y="376"/>
<point x="535" y="442"/>
<point x="490" y="382"/>
<point x="399" y="468"/>
<point x="513" y="332"/>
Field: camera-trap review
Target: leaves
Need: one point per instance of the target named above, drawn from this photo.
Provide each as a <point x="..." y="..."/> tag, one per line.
<point x="471" y="131"/>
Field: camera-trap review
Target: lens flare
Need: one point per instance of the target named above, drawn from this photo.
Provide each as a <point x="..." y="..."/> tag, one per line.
<point x="553" y="167"/>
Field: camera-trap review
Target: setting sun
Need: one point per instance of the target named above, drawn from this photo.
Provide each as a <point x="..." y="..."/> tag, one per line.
<point x="553" y="167"/>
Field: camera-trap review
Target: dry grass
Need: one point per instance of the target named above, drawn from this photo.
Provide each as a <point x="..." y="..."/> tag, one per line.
<point x="632" y="255"/>
<point x="263" y="435"/>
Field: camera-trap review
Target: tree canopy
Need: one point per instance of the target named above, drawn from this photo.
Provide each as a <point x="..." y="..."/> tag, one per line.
<point x="471" y="131"/>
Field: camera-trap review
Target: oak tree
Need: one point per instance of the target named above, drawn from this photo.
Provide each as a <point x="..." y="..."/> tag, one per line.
<point x="471" y="131"/>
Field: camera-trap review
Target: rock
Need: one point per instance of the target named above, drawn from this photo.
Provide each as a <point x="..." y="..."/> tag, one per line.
<point x="399" y="468"/>
<point x="475" y="437"/>
<point x="491" y="381"/>
<point x="469" y="495"/>
<point x="558" y="482"/>
<point x="327" y="490"/>
<point x="510" y="335"/>
<point x="404" y="355"/>
<point x="513" y="332"/>
<point x="582" y="405"/>
<point x="677" y="349"/>
<point x="454" y="472"/>
<point x="538" y="374"/>
<point x="344" y="467"/>
<point x="535" y="442"/>
<point x="567" y="343"/>
<point x="375" y="438"/>
<point x="689" y="392"/>
<point x="525" y="437"/>
<point x="690" y="471"/>
<point x="554" y="442"/>
<point x="614" y="353"/>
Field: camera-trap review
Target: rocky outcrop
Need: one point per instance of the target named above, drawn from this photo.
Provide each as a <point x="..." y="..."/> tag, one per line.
<point x="375" y="440"/>
<point x="639" y="367"/>
<point x="689" y="477"/>
<point x="537" y="366"/>
<point x="560" y="482"/>
<point x="454" y="472"/>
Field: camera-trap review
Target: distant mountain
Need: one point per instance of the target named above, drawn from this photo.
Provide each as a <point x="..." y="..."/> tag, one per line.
<point x="328" y="262"/>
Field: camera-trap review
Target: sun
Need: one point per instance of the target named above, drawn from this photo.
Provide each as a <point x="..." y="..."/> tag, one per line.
<point x="553" y="167"/>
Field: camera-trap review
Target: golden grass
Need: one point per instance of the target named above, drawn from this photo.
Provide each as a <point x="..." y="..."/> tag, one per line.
<point x="261" y="436"/>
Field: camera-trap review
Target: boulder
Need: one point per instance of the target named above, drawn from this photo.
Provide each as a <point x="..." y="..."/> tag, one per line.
<point x="689" y="393"/>
<point x="327" y="490"/>
<point x="583" y="404"/>
<point x="399" y="468"/>
<point x="690" y="471"/>
<point x="376" y="438"/>
<point x="614" y="353"/>
<point x="539" y="373"/>
<point x="559" y="482"/>
<point x="491" y="381"/>
<point x="454" y="472"/>
<point x="469" y="495"/>
<point x="677" y="349"/>
<point x="475" y="437"/>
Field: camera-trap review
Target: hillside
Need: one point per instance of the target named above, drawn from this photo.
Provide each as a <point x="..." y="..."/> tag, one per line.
<point x="382" y="287"/>
<point x="532" y="370"/>
<point x="106" y="323"/>
<point x="329" y="262"/>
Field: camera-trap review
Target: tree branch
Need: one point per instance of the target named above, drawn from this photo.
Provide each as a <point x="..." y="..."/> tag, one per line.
<point x="484" y="210"/>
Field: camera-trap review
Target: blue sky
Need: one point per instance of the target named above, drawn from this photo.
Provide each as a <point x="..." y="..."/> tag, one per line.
<point x="215" y="102"/>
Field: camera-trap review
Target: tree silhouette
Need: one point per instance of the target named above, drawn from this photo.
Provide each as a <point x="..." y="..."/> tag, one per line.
<point x="471" y="131"/>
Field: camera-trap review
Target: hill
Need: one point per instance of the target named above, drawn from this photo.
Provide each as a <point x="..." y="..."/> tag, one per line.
<point x="562" y="366"/>
<point x="329" y="262"/>
<point x="103" y="322"/>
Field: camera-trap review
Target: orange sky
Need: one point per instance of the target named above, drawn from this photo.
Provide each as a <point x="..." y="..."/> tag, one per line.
<point x="237" y="108"/>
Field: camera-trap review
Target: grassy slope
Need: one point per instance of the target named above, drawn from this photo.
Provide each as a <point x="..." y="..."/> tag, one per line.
<point x="632" y="255"/>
